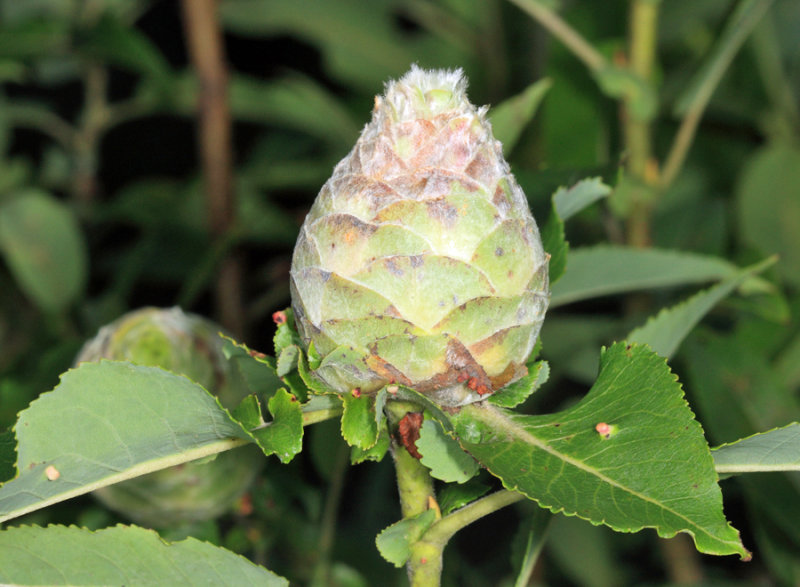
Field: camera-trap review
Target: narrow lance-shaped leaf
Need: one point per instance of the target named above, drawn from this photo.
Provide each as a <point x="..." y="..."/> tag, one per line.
<point x="122" y="555"/>
<point x="607" y="269"/>
<point x="665" y="331"/>
<point x="629" y="455"/>
<point x="570" y="201"/>
<point x="776" y="450"/>
<point x="510" y="117"/>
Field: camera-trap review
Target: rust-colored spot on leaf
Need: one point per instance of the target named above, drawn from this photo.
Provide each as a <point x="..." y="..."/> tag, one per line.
<point x="408" y="432"/>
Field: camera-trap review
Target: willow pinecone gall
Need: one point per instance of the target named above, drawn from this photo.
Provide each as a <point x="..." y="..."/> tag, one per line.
<point x="188" y="345"/>
<point x="420" y="262"/>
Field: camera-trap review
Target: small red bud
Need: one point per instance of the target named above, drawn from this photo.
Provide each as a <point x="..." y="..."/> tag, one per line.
<point x="356" y="392"/>
<point x="279" y="317"/>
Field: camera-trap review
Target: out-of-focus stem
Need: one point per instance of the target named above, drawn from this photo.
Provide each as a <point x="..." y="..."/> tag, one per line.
<point x="681" y="560"/>
<point x="559" y="28"/>
<point x="205" y="46"/>
<point x="86" y="139"/>
<point x="641" y="165"/>
<point x="328" y="523"/>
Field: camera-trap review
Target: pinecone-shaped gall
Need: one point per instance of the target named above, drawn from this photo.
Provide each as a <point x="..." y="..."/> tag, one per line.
<point x="420" y="262"/>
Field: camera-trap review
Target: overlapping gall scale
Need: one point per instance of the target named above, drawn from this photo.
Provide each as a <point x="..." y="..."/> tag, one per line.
<point x="420" y="262"/>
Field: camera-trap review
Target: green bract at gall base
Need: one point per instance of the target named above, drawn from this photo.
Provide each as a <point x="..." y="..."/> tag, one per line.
<point x="188" y="345"/>
<point x="420" y="262"/>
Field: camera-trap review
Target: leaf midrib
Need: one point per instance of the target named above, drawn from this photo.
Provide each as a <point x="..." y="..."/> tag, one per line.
<point x="499" y="421"/>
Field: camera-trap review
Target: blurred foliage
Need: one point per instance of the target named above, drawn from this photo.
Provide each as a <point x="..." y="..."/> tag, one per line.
<point x="101" y="211"/>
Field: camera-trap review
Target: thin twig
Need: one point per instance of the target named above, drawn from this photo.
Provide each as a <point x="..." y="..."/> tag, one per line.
<point x="205" y="46"/>
<point x="559" y="28"/>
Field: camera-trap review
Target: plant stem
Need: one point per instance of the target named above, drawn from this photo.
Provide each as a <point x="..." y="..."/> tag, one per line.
<point x="414" y="482"/>
<point x="638" y="136"/>
<point x="327" y="532"/>
<point x="425" y="565"/>
<point x="559" y="28"/>
<point x="86" y="141"/>
<point x="204" y="41"/>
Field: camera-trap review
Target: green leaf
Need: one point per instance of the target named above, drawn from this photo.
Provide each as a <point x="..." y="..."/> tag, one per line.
<point x="566" y="203"/>
<point x="651" y="467"/>
<point x="665" y="331"/>
<point x="122" y="555"/>
<point x="111" y="42"/>
<point x="443" y="456"/>
<point x="776" y="450"/>
<point x="34" y="38"/>
<point x="295" y="102"/>
<point x="283" y="436"/>
<point x="257" y="370"/>
<point x="8" y="456"/>
<point x="455" y="496"/>
<point x="512" y="395"/>
<point x="554" y="241"/>
<point x="44" y="248"/>
<point x="510" y="117"/>
<point x="607" y="269"/>
<point x="570" y="201"/>
<point x="738" y="27"/>
<point x="360" y="420"/>
<point x="107" y="422"/>
<point x="248" y="412"/>
<point x="286" y="333"/>
<point x="394" y="543"/>
<point x="640" y="96"/>
<point x="768" y="206"/>
<point x="735" y="388"/>
<point x="599" y="553"/>
<point x="359" y="41"/>
<point x="528" y="544"/>
<point x="374" y="453"/>
<point x="787" y="365"/>
<point x="287" y="360"/>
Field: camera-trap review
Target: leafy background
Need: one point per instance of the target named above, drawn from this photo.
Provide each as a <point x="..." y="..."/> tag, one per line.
<point x="102" y="209"/>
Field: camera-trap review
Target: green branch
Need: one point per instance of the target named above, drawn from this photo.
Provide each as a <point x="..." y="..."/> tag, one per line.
<point x="425" y="565"/>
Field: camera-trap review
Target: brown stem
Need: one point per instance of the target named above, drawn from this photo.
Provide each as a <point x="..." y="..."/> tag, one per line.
<point x="205" y="47"/>
<point x="86" y="139"/>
